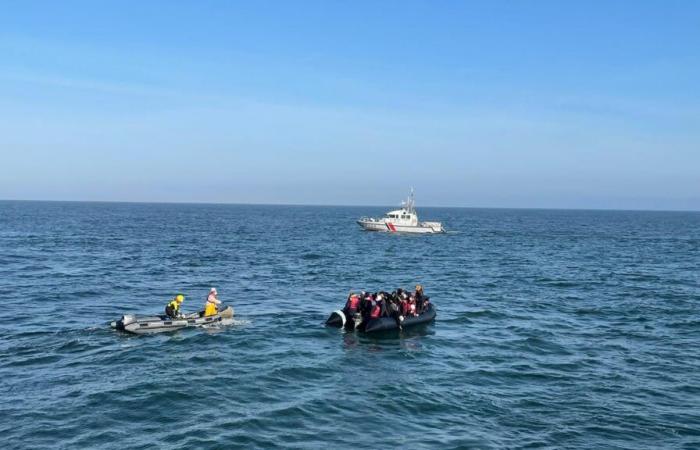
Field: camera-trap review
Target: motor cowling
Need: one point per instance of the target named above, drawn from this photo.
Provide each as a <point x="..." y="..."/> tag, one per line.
<point x="127" y="319"/>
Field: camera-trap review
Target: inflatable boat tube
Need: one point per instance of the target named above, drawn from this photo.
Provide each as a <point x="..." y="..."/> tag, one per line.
<point x="389" y="323"/>
<point x="337" y="319"/>
<point x="158" y="324"/>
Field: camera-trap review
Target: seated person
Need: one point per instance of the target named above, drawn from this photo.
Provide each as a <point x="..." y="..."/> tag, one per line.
<point x="172" y="309"/>
<point x="412" y="311"/>
<point x="376" y="311"/>
<point x="393" y="307"/>
<point x="382" y="302"/>
<point x="366" y="305"/>
<point x="404" y="304"/>
<point x="352" y="305"/>
<point x="211" y="307"/>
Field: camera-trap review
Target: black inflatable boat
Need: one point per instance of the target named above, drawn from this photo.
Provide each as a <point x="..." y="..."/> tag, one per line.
<point x="339" y="320"/>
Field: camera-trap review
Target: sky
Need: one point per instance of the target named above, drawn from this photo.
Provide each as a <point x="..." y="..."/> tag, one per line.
<point x="543" y="104"/>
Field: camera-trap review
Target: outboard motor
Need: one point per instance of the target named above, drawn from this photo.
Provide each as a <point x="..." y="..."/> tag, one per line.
<point x="124" y="321"/>
<point x="127" y="319"/>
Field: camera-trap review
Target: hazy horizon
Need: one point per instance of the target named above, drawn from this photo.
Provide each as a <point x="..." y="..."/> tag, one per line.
<point x="321" y="205"/>
<point x="497" y="104"/>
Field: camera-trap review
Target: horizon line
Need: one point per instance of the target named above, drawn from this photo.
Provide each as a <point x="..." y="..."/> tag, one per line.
<point x="144" y="202"/>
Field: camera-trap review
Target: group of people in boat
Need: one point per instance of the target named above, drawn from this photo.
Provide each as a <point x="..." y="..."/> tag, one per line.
<point x="211" y="306"/>
<point x="398" y="304"/>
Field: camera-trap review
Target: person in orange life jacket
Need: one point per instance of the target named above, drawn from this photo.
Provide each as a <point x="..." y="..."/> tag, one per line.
<point x="352" y="305"/>
<point x="377" y="307"/>
<point x="376" y="312"/>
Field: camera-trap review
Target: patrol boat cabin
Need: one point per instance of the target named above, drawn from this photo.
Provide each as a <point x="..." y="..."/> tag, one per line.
<point x="404" y="220"/>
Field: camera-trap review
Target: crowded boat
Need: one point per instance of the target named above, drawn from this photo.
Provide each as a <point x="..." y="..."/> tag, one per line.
<point x="374" y="311"/>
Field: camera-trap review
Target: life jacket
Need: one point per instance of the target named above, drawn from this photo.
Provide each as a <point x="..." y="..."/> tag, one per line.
<point x="412" y="308"/>
<point x="172" y="308"/>
<point x="376" y="312"/>
<point x="210" y="309"/>
<point x="353" y="302"/>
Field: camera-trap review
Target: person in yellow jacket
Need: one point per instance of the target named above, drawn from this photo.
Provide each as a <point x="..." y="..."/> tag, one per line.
<point x="172" y="309"/>
<point x="211" y="308"/>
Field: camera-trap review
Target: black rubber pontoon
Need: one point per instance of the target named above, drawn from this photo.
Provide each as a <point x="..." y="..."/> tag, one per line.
<point x="339" y="320"/>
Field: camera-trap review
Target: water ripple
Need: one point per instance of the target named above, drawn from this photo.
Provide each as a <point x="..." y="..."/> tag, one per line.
<point x="556" y="329"/>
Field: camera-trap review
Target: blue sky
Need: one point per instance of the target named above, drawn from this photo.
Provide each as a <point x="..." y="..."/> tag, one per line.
<point x="503" y="104"/>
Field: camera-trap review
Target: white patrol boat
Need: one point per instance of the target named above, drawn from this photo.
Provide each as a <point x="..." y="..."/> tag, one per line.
<point x="404" y="220"/>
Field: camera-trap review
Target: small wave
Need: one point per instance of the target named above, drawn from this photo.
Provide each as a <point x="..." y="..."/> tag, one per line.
<point x="587" y="311"/>
<point x="685" y="324"/>
<point x="241" y="322"/>
<point x="34" y="361"/>
<point x="558" y="283"/>
<point x="312" y="256"/>
<point x="487" y="313"/>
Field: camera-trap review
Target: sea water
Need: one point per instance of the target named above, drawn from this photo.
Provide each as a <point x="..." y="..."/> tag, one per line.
<point x="555" y="329"/>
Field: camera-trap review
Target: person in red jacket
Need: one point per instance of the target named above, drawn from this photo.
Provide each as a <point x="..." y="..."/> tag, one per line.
<point x="376" y="311"/>
<point x="404" y="304"/>
<point x="352" y="305"/>
<point x="412" y="307"/>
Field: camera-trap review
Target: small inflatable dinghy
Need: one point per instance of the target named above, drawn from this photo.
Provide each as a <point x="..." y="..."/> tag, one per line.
<point x="339" y="320"/>
<point x="158" y="324"/>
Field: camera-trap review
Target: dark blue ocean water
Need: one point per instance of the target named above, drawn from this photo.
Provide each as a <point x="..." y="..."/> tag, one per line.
<point x="555" y="329"/>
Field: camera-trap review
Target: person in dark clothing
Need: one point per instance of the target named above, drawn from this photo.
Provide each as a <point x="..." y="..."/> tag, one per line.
<point x="172" y="309"/>
<point x="420" y="298"/>
<point x="366" y="305"/>
<point x="381" y="302"/>
<point x="394" y="309"/>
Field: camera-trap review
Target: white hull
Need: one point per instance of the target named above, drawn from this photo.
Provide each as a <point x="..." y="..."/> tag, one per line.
<point x="387" y="227"/>
<point x="404" y="220"/>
